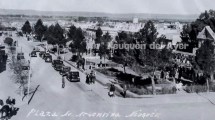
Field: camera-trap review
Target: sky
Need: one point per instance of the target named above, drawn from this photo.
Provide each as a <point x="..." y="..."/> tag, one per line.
<point x="113" y="6"/>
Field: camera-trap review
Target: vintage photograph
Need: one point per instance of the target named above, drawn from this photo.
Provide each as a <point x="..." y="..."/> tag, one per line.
<point x="107" y="59"/>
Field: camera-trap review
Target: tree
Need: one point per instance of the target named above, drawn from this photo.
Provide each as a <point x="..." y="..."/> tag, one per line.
<point x="79" y="42"/>
<point x="55" y="35"/>
<point x="150" y="57"/>
<point x="49" y="35"/>
<point x="20" y="73"/>
<point x="39" y="29"/>
<point x="124" y="56"/>
<point x="205" y="58"/>
<point x="59" y="34"/>
<point x="8" y="41"/>
<point x="98" y="35"/>
<point x="26" y="28"/>
<point x="148" y="34"/>
<point x="103" y="48"/>
<point x="72" y="31"/>
<point x="79" y="45"/>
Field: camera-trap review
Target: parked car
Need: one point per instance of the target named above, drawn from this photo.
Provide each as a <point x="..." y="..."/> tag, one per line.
<point x="42" y="53"/>
<point x="41" y="45"/>
<point x="73" y="76"/>
<point x="58" y="67"/>
<point x="64" y="70"/>
<point x="37" y="49"/>
<point x="48" y="58"/>
<point x="33" y="54"/>
<point x="57" y="62"/>
<point x="20" y="56"/>
<point x="45" y="55"/>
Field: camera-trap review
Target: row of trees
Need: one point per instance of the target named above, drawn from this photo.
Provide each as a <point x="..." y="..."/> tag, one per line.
<point x="56" y="35"/>
<point x="205" y="56"/>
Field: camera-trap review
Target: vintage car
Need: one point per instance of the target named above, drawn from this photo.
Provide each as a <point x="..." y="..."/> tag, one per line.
<point x="20" y="56"/>
<point x="48" y="58"/>
<point x="33" y="54"/>
<point x="58" y="67"/>
<point x="37" y="49"/>
<point x="57" y="62"/>
<point x="64" y="70"/>
<point x="42" y="53"/>
<point x="73" y="76"/>
<point x="45" y="55"/>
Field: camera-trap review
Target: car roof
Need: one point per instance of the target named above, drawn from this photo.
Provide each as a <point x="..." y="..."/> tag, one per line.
<point x="72" y="71"/>
<point x="67" y="66"/>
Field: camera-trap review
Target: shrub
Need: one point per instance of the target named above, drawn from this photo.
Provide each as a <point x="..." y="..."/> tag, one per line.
<point x="8" y="41"/>
<point x="195" y="88"/>
<point x="74" y="58"/>
<point x="168" y="90"/>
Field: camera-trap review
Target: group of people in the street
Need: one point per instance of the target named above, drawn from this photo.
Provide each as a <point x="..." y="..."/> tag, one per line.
<point x="90" y="78"/>
<point x="8" y="110"/>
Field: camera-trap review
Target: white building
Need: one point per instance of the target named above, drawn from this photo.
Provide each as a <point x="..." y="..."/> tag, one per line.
<point x="135" y="20"/>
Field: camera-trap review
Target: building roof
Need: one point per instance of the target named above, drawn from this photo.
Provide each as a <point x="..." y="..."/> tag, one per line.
<point x="206" y="33"/>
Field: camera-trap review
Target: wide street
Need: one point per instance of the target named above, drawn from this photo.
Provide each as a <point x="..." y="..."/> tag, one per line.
<point x="81" y="100"/>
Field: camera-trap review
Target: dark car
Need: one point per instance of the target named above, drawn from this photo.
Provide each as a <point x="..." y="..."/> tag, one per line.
<point x="64" y="70"/>
<point x="33" y="54"/>
<point x="73" y="76"/>
<point x="45" y="55"/>
<point x="58" y="67"/>
<point x="48" y="58"/>
<point x="20" y="56"/>
<point x="37" y="49"/>
<point x="42" y="53"/>
<point x="57" y="62"/>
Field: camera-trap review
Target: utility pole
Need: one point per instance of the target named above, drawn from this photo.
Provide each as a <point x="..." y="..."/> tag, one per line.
<point x="29" y="76"/>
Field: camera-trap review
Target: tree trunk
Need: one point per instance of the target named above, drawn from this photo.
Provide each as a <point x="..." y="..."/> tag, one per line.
<point x="208" y="88"/>
<point x="153" y="83"/>
<point x="212" y="76"/>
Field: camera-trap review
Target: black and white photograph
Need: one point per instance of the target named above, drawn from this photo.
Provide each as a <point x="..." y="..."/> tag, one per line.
<point x="107" y="59"/>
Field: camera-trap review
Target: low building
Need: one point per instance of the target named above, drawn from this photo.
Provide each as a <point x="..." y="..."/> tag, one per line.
<point x="206" y="34"/>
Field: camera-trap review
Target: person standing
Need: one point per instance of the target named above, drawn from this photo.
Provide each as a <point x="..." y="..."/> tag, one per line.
<point x="8" y="101"/>
<point x="63" y="82"/>
<point x="87" y="79"/>
<point x="112" y="90"/>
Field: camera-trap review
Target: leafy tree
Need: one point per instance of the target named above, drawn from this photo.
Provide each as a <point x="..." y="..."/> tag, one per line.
<point x="39" y="29"/>
<point x="55" y="35"/>
<point x="59" y="34"/>
<point x="205" y="58"/>
<point x="72" y="31"/>
<point x="49" y="35"/>
<point x="79" y="42"/>
<point x="8" y="41"/>
<point x="98" y="35"/>
<point x="103" y="48"/>
<point x="124" y="56"/>
<point x="153" y="58"/>
<point x="26" y="28"/>
<point x="148" y="34"/>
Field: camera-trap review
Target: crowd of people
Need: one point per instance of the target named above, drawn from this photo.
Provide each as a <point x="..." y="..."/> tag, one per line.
<point x="90" y="78"/>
